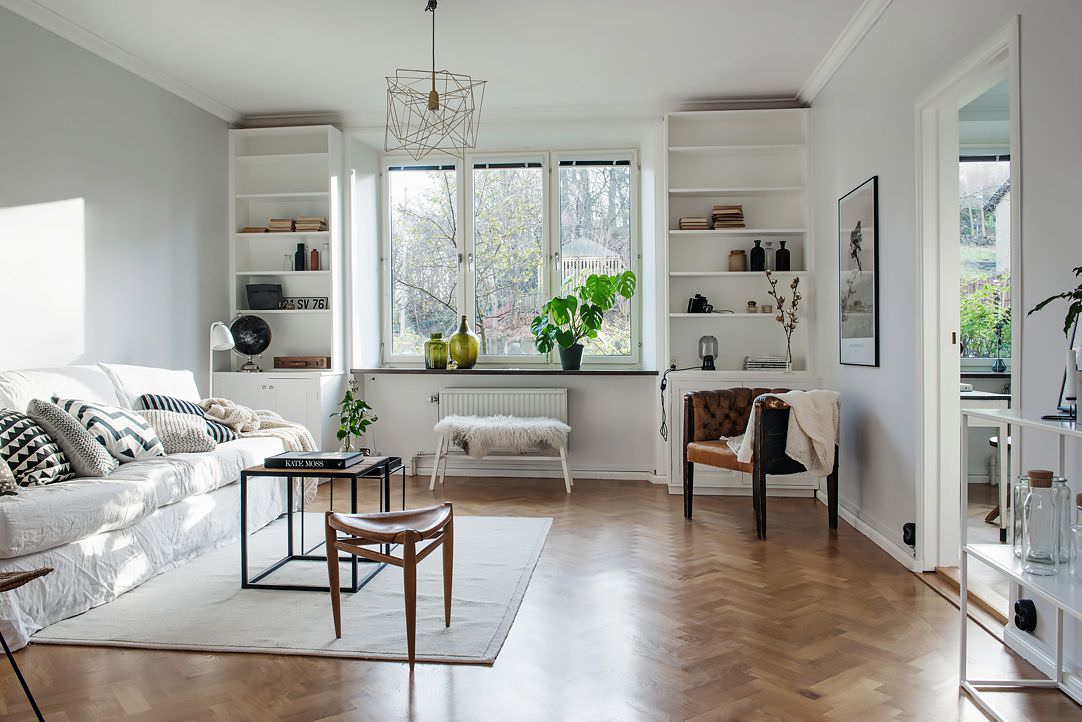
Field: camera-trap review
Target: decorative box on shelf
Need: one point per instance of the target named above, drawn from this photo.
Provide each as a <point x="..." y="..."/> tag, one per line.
<point x="302" y="362"/>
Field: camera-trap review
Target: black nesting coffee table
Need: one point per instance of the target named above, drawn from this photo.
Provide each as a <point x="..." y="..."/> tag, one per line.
<point x="378" y="468"/>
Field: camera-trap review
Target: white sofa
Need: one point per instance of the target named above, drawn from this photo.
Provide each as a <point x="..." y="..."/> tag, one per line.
<point x="104" y="536"/>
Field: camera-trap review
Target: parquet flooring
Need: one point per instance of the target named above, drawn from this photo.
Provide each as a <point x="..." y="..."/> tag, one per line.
<point x="632" y="614"/>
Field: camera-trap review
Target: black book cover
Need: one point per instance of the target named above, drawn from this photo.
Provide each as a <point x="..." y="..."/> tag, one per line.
<point x="314" y="460"/>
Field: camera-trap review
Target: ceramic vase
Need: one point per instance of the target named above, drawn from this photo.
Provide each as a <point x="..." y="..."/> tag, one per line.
<point x="464" y="345"/>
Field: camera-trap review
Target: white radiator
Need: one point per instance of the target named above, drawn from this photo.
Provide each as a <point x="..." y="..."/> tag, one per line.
<point x="508" y="402"/>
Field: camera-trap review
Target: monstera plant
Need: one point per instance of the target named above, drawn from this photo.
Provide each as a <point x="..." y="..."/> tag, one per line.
<point x="566" y="320"/>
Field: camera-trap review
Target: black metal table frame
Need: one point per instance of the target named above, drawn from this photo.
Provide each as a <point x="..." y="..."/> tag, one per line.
<point x="381" y="471"/>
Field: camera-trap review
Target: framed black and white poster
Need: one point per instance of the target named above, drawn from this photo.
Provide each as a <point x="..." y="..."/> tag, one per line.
<point x="858" y="275"/>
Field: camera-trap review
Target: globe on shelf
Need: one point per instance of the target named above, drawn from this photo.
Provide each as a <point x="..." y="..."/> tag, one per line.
<point x="251" y="337"/>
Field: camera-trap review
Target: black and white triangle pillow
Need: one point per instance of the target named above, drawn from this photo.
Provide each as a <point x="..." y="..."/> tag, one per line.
<point x="125" y="434"/>
<point x="29" y="452"/>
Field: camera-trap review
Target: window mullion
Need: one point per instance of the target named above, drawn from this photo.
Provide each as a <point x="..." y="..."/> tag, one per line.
<point x="465" y="240"/>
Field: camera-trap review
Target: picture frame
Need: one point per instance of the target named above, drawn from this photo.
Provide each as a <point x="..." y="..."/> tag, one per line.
<point x="858" y="275"/>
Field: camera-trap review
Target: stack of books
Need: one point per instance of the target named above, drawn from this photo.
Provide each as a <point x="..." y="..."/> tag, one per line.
<point x="763" y="363"/>
<point x="280" y="225"/>
<point x="254" y="229"/>
<point x="310" y="224"/>
<point x="694" y="223"/>
<point x="728" y="216"/>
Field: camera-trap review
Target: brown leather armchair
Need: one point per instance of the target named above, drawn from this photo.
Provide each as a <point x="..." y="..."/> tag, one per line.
<point x="709" y="415"/>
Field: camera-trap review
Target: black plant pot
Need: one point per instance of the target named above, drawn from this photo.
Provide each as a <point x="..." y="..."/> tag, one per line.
<point x="571" y="358"/>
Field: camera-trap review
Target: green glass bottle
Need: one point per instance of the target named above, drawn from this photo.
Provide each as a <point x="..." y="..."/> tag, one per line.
<point x="464" y="346"/>
<point x="436" y="352"/>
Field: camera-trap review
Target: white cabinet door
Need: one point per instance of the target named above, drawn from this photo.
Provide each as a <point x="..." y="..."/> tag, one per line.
<point x="303" y="399"/>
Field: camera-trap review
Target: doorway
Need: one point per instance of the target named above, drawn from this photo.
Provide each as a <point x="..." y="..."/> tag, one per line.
<point x="969" y="200"/>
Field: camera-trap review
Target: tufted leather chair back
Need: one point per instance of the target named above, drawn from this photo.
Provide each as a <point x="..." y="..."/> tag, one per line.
<point x="725" y="412"/>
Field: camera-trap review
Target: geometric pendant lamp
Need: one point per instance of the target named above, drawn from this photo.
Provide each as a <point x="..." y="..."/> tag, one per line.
<point x="432" y="110"/>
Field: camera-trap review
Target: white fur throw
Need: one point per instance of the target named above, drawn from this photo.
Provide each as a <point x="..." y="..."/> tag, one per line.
<point x="478" y="435"/>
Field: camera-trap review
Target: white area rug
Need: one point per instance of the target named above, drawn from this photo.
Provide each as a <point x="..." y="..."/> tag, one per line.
<point x="201" y="606"/>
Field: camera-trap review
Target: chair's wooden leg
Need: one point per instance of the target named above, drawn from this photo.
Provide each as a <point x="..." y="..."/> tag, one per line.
<point x="758" y="480"/>
<point x="832" y="494"/>
<point x="440" y="443"/>
<point x="409" y="576"/>
<point x="567" y="472"/>
<point x="448" y="567"/>
<point x="332" y="577"/>
<point x="689" y="487"/>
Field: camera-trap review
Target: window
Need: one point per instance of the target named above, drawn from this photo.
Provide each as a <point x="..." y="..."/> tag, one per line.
<point x="536" y="227"/>
<point x="985" y="232"/>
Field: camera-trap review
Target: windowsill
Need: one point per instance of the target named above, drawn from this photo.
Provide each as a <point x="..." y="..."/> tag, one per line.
<point x="490" y="371"/>
<point x="977" y="374"/>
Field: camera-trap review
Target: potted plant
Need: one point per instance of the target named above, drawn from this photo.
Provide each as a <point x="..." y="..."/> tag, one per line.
<point x="354" y="418"/>
<point x="566" y="320"/>
<point x="1074" y="308"/>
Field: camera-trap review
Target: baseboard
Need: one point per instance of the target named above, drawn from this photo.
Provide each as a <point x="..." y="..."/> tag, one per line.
<point x="1022" y="644"/>
<point x="901" y="555"/>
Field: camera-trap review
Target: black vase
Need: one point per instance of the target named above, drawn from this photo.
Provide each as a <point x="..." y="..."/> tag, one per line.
<point x="781" y="258"/>
<point x="571" y="358"/>
<point x="758" y="257"/>
<point x="298" y="258"/>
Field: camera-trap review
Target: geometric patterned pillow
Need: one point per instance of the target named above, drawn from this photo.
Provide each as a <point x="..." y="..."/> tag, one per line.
<point x="32" y="456"/>
<point x="180" y="433"/>
<point x="8" y="487"/>
<point x="156" y="402"/>
<point x="88" y="458"/>
<point x="125" y="434"/>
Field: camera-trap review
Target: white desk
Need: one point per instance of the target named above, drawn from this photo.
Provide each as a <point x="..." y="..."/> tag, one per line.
<point x="982" y="401"/>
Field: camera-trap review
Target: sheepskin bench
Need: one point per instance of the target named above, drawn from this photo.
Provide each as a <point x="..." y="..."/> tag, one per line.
<point x="478" y="436"/>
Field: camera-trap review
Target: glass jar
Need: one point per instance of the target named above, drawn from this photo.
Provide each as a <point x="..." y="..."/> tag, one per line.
<point x="1018" y="499"/>
<point x="1064" y="510"/>
<point x="1040" y="546"/>
<point x="738" y="261"/>
<point x="1076" y="540"/>
<point x="436" y="352"/>
<point x="769" y="256"/>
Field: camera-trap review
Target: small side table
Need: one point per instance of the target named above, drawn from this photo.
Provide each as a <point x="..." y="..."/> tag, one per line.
<point x="8" y="582"/>
<point x="379" y="468"/>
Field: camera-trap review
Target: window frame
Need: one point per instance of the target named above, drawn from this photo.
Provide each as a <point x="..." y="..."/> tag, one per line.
<point x="465" y="243"/>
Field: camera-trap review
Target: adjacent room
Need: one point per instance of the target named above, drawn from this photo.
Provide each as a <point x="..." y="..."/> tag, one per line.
<point x="479" y="360"/>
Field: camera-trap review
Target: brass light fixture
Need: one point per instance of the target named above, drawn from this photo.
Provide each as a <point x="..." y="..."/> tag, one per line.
<point x="432" y="110"/>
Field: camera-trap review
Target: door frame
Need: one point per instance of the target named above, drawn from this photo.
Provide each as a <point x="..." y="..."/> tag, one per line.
<point x="938" y="468"/>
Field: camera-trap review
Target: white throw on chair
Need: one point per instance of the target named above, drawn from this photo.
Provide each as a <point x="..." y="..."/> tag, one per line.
<point x="478" y="435"/>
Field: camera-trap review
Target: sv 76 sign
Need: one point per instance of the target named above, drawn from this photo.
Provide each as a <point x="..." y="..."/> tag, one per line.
<point x="304" y="303"/>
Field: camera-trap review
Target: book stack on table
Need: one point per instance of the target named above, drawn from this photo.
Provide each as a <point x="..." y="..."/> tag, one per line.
<point x="316" y="460"/>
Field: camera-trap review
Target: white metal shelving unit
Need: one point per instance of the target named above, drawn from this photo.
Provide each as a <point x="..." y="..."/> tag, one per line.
<point x="1060" y="591"/>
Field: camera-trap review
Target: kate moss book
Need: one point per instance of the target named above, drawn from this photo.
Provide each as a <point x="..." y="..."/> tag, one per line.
<point x="314" y="460"/>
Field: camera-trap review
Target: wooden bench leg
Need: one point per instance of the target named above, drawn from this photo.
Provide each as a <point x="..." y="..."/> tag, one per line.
<point x="440" y="445"/>
<point x="568" y="483"/>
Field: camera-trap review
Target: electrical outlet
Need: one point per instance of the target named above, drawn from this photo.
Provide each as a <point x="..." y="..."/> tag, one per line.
<point x="434" y="399"/>
<point x="672" y="363"/>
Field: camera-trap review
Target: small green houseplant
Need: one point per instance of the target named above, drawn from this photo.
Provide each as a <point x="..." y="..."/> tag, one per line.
<point x="566" y="320"/>
<point x="1074" y="308"/>
<point x="353" y="417"/>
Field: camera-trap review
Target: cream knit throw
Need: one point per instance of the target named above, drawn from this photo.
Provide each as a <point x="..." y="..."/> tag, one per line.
<point x="812" y="432"/>
<point x="263" y="423"/>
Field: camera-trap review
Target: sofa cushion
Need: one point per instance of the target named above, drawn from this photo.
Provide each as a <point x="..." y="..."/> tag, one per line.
<point x="131" y="382"/>
<point x="18" y="388"/>
<point x="125" y="433"/>
<point x="43" y="517"/>
<point x="180" y="433"/>
<point x="87" y="456"/>
<point x="30" y="453"/>
<point x="217" y="430"/>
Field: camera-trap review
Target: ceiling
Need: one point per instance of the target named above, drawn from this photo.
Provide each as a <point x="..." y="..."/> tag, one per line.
<point x="266" y="57"/>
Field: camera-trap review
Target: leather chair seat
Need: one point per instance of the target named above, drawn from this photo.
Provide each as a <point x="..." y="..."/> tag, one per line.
<point x="388" y="526"/>
<point x="716" y="453"/>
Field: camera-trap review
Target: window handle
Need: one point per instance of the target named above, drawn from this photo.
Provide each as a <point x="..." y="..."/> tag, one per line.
<point x="460" y="261"/>
<point x="556" y="261"/>
<point x="469" y="260"/>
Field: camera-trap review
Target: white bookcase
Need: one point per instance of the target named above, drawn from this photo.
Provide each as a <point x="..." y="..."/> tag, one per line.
<point x="755" y="158"/>
<point x="285" y="173"/>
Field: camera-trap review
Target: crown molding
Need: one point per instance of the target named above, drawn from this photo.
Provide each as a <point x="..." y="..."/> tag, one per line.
<point x="77" y="34"/>
<point x="858" y="26"/>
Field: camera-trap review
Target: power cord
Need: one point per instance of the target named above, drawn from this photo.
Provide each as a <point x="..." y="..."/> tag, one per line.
<point x="664" y="430"/>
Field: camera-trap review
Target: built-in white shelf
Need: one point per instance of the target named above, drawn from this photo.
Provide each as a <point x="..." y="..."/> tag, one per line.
<point x="284" y="234"/>
<point x="288" y="311"/>
<point x="739" y="274"/>
<point x="740" y="232"/>
<point x="284" y="273"/>
<point x="738" y="191"/>
<point x="281" y="196"/>
<point x="768" y="147"/>
<point x="707" y="316"/>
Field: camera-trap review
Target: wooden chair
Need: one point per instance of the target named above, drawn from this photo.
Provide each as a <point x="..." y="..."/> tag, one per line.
<point x="709" y="415"/>
<point x="8" y="582"/>
<point x="434" y="524"/>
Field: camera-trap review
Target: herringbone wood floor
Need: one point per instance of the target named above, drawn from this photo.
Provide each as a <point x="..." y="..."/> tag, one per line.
<point x="632" y="614"/>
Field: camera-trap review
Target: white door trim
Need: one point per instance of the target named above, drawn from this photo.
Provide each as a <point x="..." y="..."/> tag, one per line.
<point x="997" y="59"/>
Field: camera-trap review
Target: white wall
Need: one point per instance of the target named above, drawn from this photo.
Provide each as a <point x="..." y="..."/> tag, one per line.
<point x="112" y="211"/>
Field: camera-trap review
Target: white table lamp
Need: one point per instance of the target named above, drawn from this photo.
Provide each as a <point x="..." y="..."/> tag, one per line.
<point x="221" y="339"/>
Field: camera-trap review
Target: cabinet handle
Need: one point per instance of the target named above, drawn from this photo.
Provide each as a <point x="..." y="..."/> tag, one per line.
<point x="271" y="386"/>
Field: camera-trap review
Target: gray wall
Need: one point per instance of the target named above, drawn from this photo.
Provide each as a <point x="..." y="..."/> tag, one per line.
<point x="113" y="211"/>
<point x="863" y="125"/>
